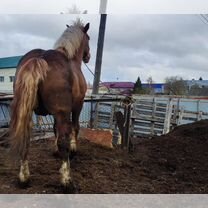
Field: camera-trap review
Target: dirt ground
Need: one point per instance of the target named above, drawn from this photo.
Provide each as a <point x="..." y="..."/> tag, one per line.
<point x="174" y="163"/>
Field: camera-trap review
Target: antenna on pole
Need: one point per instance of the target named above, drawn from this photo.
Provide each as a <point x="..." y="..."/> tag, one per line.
<point x="99" y="55"/>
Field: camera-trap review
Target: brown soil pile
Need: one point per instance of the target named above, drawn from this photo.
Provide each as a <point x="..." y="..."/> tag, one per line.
<point x="174" y="163"/>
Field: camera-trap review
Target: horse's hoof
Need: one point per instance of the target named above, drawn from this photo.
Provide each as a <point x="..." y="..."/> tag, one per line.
<point x="24" y="184"/>
<point x="72" y="154"/>
<point x="69" y="188"/>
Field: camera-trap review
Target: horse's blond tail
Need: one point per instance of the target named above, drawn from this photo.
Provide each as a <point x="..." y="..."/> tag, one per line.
<point x="27" y="80"/>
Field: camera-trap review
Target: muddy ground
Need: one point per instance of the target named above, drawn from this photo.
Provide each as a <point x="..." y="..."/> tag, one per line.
<point x="174" y="163"/>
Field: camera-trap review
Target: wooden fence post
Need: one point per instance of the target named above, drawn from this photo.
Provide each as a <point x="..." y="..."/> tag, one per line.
<point x="126" y="141"/>
<point x="168" y="115"/>
<point x="153" y="116"/>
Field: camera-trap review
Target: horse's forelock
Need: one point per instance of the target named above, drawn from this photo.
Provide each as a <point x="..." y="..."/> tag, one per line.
<point x="78" y="23"/>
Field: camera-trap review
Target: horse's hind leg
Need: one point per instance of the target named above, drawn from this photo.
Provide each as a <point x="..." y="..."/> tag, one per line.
<point x="24" y="174"/>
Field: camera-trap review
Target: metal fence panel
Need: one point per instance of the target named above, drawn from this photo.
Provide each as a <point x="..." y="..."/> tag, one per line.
<point x="149" y="115"/>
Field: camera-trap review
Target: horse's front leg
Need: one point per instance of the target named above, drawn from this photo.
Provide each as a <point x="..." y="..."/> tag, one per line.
<point x="66" y="179"/>
<point x="75" y="129"/>
<point x="64" y="133"/>
<point x="65" y="174"/>
<point x="73" y="141"/>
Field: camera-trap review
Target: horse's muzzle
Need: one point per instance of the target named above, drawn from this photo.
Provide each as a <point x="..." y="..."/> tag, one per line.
<point x="86" y="59"/>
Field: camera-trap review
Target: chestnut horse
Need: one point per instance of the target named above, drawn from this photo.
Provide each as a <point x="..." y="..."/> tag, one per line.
<point x="51" y="82"/>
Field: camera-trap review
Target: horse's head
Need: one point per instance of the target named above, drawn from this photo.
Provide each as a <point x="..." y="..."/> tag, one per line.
<point x="86" y="38"/>
<point x="75" y="41"/>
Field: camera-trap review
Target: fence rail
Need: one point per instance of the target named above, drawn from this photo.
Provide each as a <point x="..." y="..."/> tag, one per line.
<point x="97" y="112"/>
<point x="145" y="117"/>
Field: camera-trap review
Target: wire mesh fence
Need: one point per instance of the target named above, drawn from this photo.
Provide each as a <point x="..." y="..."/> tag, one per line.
<point x="96" y="113"/>
<point x="4" y="113"/>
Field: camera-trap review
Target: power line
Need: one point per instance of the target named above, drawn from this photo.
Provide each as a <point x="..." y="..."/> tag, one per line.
<point x="89" y="69"/>
<point x="203" y="19"/>
<point x="94" y="76"/>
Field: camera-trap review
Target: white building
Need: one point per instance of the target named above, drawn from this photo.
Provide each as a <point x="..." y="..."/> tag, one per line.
<point x="7" y="73"/>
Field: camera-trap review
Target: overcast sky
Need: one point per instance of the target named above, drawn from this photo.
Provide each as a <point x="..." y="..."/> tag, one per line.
<point x="113" y="6"/>
<point x="135" y="45"/>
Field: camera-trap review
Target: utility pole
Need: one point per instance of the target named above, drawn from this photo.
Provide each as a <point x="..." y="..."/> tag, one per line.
<point x="99" y="55"/>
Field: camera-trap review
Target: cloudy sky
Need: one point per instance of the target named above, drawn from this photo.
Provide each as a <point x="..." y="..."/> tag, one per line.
<point x="136" y="44"/>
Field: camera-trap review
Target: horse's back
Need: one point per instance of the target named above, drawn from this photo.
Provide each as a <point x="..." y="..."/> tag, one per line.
<point x="35" y="53"/>
<point x="56" y="90"/>
<point x="61" y="83"/>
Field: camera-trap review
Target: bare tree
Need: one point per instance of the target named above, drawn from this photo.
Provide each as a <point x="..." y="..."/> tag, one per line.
<point x="150" y="80"/>
<point x="175" y="86"/>
<point x="150" y="89"/>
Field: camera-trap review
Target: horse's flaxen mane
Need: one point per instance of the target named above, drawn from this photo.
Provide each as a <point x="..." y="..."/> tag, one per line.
<point x="71" y="39"/>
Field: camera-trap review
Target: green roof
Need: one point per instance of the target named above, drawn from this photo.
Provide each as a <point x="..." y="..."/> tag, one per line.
<point x="9" y="62"/>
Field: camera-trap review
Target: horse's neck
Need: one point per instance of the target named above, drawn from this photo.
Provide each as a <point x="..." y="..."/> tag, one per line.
<point x="78" y="57"/>
<point x="62" y="50"/>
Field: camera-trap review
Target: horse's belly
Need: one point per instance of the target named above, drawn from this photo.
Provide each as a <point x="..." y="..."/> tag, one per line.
<point x="41" y="111"/>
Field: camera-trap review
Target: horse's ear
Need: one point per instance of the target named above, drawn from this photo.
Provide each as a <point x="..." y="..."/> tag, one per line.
<point x="67" y="26"/>
<point x="86" y="27"/>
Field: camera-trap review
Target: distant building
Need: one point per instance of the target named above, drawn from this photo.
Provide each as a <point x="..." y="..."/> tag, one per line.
<point x="157" y="88"/>
<point x="126" y="88"/>
<point x="197" y="87"/>
<point x="122" y="88"/>
<point x="199" y="83"/>
<point x="7" y="72"/>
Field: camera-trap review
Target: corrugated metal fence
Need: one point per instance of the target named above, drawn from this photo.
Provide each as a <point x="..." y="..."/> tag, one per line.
<point x="158" y="115"/>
